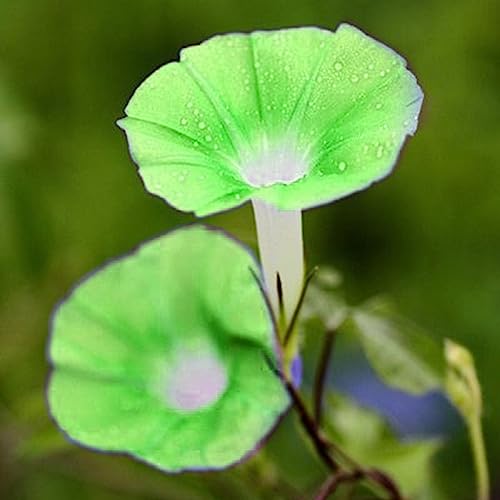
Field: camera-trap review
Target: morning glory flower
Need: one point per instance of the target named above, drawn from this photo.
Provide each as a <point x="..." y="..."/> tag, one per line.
<point x="288" y="119"/>
<point x="165" y="355"/>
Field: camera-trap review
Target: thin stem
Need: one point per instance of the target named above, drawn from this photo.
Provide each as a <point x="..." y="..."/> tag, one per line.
<point x="335" y="480"/>
<point x="384" y="481"/>
<point x="296" y="311"/>
<point x="320" y="378"/>
<point x="320" y="443"/>
<point x="326" y="448"/>
<point x="480" y="461"/>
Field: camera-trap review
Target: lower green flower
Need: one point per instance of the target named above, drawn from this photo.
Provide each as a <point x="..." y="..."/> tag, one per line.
<point x="164" y="355"/>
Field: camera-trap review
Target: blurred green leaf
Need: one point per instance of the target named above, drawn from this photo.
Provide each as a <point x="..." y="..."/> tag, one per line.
<point x="400" y="352"/>
<point x="368" y="439"/>
<point x="323" y="306"/>
<point x="42" y="444"/>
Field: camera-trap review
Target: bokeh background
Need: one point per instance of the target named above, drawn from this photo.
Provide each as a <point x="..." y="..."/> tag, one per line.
<point x="70" y="199"/>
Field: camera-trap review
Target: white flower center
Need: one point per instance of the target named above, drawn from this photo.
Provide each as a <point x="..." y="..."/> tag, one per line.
<point x="196" y="379"/>
<point x="273" y="165"/>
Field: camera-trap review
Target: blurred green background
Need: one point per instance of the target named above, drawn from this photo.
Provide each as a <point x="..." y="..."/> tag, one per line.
<point x="70" y="199"/>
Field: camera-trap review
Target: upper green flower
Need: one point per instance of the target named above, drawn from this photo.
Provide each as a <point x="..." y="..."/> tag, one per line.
<point x="295" y="117"/>
<point x="162" y="354"/>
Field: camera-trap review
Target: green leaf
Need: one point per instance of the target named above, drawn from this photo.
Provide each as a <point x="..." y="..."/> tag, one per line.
<point x="323" y="304"/>
<point x="400" y="352"/>
<point x="42" y="444"/>
<point x="368" y="439"/>
<point x="161" y="354"/>
<point x="295" y="117"/>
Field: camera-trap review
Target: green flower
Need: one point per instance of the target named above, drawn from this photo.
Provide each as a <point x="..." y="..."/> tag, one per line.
<point x="162" y="355"/>
<point x="295" y="117"/>
<point x="288" y="119"/>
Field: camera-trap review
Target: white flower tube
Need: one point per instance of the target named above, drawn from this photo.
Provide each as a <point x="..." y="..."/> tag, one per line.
<point x="279" y="235"/>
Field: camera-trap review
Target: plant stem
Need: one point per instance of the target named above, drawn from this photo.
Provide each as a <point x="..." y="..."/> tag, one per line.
<point x="319" y="380"/>
<point x="334" y="481"/>
<point x="325" y="448"/>
<point x="279" y="234"/>
<point x="320" y="443"/>
<point x="480" y="461"/>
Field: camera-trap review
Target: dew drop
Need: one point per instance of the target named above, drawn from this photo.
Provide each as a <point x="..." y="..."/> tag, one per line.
<point x="202" y="125"/>
<point x="342" y="166"/>
<point x="380" y="151"/>
<point x="354" y="78"/>
<point x="338" y="66"/>
<point x="382" y="73"/>
<point x="189" y="104"/>
<point x="184" y="121"/>
<point x="208" y="138"/>
<point x="378" y="105"/>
